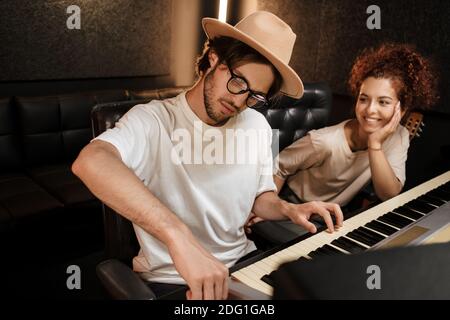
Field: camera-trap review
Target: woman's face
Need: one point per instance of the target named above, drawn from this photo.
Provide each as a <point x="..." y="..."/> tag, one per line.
<point x="376" y="104"/>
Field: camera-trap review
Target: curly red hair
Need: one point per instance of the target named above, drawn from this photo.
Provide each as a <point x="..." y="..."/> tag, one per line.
<point x="412" y="75"/>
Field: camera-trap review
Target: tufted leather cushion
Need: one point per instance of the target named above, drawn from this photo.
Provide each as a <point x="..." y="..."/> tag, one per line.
<point x="295" y="117"/>
<point x="61" y="183"/>
<point x="22" y="197"/>
<point x="39" y="138"/>
<point x="55" y="128"/>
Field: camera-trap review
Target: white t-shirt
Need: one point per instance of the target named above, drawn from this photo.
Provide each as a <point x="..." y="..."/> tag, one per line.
<point x="208" y="176"/>
<point x="321" y="165"/>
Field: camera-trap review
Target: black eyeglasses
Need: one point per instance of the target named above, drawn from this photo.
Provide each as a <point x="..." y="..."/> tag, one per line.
<point x="238" y="85"/>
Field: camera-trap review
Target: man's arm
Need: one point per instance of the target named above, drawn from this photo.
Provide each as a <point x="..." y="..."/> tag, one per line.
<point x="100" y="167"/>
<point x="269" y="206"/>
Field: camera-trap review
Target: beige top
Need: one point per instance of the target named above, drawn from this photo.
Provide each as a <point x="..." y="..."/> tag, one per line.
<point x="321" y="165"/>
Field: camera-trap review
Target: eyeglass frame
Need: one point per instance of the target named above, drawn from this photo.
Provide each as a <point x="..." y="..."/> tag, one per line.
<point x="252" y="93"/>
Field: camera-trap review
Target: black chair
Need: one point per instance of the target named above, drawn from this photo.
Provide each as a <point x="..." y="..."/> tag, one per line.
<point x="293" y="118"/>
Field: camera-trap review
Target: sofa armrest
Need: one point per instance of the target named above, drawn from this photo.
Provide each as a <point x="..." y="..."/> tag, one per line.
<point x="121" y="282"/>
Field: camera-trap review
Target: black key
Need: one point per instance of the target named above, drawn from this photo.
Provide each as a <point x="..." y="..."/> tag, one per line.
<point x="268" y="278"/>
<point x="316" y="254"/>
<point x="381" y="227"/>
<point x="302" y="259"/>
<point x="433" y="200"/>
<point x="408" y="212"/>
<point x="363" y="233"/>
<point x="374" y="235"/>
<point x="366" y="235"/>
<point x="355" y="236"/>
<point x="445" y="187"/>
<point x="395" y="217"/>
<point x="348" y="245"/>
<point x="447" y="184"/>
<point x="326" y="251"/>
<point x="420" y="206"/>
<point x="395" y="220"/>
<point x="332" y="249"/>
<point x="439" y="194"/>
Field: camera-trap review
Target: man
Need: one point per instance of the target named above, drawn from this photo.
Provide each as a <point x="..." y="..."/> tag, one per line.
<point x="189" y="213"/>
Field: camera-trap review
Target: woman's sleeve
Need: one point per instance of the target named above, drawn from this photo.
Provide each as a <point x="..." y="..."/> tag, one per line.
<point x="397" y="158"/>
<point x="301" y="155"/>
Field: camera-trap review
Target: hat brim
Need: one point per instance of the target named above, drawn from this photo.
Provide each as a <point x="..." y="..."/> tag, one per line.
<point x="292" y="85"/>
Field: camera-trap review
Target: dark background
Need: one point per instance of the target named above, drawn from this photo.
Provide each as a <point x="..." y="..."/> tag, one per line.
<point x="153" y="44"/>
<point x="133" y="44"/>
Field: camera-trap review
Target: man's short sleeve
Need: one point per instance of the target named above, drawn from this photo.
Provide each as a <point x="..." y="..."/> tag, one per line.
<point x="266" y="182"/>
<point x="133" y="135"/>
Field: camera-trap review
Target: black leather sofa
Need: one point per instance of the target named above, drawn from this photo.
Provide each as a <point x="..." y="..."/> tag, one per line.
<point x="44" y="208"/>
<point x="293" y="118"/>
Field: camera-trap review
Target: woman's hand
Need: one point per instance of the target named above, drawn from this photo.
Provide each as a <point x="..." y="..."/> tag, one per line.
<point x="376" y="139"/>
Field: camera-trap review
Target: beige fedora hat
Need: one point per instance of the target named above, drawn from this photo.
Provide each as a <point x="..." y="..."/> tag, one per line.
<point x="270" y="36"/>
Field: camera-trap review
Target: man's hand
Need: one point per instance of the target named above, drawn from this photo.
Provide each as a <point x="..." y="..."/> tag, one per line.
<point x="252" y="219"/>
<point x="301" y="213"/>
<point x="206" y="276"/>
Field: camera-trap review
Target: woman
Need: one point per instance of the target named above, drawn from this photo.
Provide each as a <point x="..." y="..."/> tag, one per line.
<point x="334" y="163"/>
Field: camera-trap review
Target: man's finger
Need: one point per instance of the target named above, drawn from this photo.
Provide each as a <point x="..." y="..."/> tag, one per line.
<point x="218" y="289"/>
<point x="208" y="290"/>
<point x="225" y="288"/>
<point x="196" y="292"/>
<point x="325" y="214"/>
<point x="336" y="210"/>
<point x="307" y="224"/>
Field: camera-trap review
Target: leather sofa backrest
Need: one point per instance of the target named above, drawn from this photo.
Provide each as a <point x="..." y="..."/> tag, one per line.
<point x="10" y="153"/>
<point x="53" y="129"/>
<point x="295" y="117"/>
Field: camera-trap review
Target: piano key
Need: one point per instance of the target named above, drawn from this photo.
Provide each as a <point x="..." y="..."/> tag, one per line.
<point x="420" y="206"/>
<point x="258" y="285"/>
<point x="267" y="278"/>
<point x="253" y="273"/>
<point x="399" y="217"/>
<point x="348" y="245"/>
<point x="439" y="194"/>
<point x="302" y="259"/>
<point x="289" y="254"/>
<point x="317" y="254"/>
<point x="332" y="249"/>
<point x="407" y="212"/>
<point x="362" y="233"/>
<point x="445" y="187"/>
<point x="394" y="220"/>
<point x="355" y="235"/>
<point x="337" y="248"/>
<point x="302" y="250"/>
<point x="367" y="223"/>
<point x="381" y="227"/>
<point x="432" y="200"/>
<point x="371" y="233"/>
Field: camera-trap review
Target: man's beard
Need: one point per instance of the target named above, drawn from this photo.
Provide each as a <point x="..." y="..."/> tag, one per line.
<point x="208" y="100"/>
